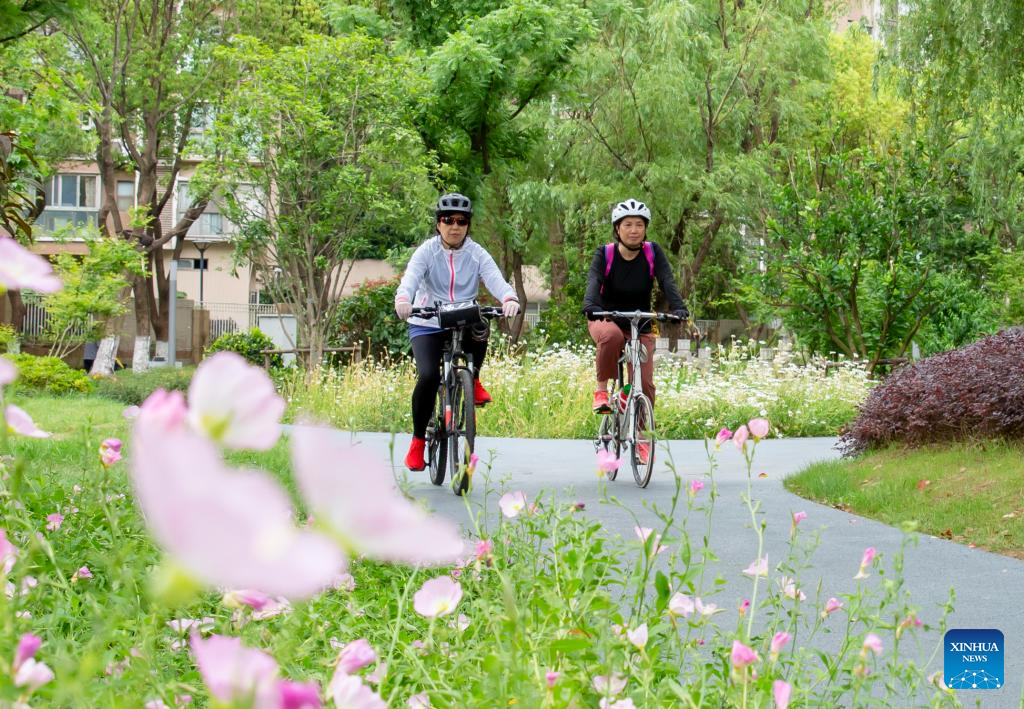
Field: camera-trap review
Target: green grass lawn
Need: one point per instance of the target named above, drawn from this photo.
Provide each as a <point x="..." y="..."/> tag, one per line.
<point x="972" y="493"/>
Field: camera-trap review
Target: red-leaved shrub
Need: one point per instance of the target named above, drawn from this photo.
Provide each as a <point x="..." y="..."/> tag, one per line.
<point x="975" y="391"/>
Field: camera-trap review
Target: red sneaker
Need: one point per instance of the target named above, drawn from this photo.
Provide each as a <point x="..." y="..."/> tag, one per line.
<point x="480" y="395"/>
<point x="414" y="458"/>
<point x="643" y="453"/>
<point x="601" y="403"/>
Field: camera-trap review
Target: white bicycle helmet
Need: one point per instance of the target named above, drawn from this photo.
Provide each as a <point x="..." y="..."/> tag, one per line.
<point x="631" y="208"/>
<point x="453" y="202"/>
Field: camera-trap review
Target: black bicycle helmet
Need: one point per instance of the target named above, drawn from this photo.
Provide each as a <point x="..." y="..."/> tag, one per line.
<point x="453" y="202"/>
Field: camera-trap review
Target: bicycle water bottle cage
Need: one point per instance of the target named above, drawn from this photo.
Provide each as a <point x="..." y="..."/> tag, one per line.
<point x="452" y="315"/>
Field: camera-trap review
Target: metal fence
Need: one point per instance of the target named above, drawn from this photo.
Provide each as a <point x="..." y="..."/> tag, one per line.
<point x="235" y="317"/>
<point x="33" y="327"/>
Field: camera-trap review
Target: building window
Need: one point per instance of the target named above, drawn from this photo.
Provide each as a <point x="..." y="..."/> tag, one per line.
<point x="70" y="200"/>
<point x="193" y="264"/>
<point x="125" y="195"/>
<point x="209" y="223"/>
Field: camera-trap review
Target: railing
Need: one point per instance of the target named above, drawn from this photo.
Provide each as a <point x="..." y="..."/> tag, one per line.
<point x="33" y="327"/>
<point x="235" y="317"/>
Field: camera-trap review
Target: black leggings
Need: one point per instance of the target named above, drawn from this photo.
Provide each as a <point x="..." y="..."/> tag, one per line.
<point x="428" y="351"/>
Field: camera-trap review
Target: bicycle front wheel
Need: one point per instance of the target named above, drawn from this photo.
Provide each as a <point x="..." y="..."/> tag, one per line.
<point x="642" y="438"/>
<point x="462" y="434"/>
<point x="437" y="441"/>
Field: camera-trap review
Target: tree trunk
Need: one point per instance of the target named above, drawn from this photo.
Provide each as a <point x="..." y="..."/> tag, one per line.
<point x="17" y="311"/>
<point x="143" y="324"/>
<point x="516" y="329"/>
<point x="103" y="365"/>
<point x="559" y="265"/>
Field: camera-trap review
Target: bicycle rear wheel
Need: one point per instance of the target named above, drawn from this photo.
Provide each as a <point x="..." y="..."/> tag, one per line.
<point x="462" y="435"/>
<point x="640" y="417"/>
<point x="437" y="441"/>
<point x="608" y="438"/>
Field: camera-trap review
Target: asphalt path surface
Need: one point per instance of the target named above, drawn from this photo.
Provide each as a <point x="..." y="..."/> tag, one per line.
<point x="989" y="588"/>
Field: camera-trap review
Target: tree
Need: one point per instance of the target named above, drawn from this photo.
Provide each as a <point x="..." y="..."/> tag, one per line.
<point x="146" y="71"/>
<point x="693" y="107"/>
<point x="862" y="264"/>
<point x="19" y="18"/>
<point x="326" y="128"/>
<point x="93" y="297"/>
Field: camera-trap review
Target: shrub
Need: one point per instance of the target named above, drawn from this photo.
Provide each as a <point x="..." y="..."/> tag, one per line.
<point x="49" y="374"/>
<point x="132" y="388"/>
<point x="248" y="344"/>
<point x="368" y="316"/>
<point x="8" y="336"/>
<point x="974" y="391"/>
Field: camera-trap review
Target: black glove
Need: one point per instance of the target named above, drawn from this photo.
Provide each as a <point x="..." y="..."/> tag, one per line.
<point x="683" y="314"/>
<point x="590" y="310"/>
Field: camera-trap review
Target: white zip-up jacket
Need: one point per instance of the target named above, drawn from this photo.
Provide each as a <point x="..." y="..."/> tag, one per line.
<point x="437" y="274"/>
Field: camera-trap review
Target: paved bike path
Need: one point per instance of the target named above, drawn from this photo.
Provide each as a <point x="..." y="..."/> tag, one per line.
<point x="989" y="587"/>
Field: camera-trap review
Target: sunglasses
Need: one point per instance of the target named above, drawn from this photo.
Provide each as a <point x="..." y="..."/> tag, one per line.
<point x="461" y="221"/>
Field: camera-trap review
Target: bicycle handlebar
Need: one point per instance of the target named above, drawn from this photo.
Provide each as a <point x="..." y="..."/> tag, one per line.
<point x="485" y="311"/>
<point x="637" y="315"/>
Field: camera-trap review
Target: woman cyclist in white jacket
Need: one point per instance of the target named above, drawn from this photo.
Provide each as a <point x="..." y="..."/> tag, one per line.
<point x="446" y="268"/>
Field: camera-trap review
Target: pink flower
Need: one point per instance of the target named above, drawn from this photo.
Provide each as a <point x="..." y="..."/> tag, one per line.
<point x="8" y="553"/>
<point x="110" y="451"/>
<point x="32" y="673"/>
<point x="184" y="625"/>
<point x="781" y="692"/>
<point x="8" y="372"/>
<point x="744" y="606"/>
<point x="298" y="695"/>
<point x="163" y="410"/>
<point x="723" y="436"/>
<point x="705" y="609"/>
<point x="552" y="678"/>
<point x="235" y="673"/>
<point x="680" y="604"/>
<point x="798" y="517"/>
<point x="695" y="487"/>
<point x="740" y="437"/>
<point x="20" y="422"/>
<point x="789" y="589"/>
<point x="625" y="703"/>
<point x="227" y="528"/>
<point x="234" y="403"/>
<point x="54" y="521"/>
<point x="131" y="413"/>
<point x="437" y="597"/>
<point x="607" y="462"/>
<point x="20" y="269"/>
<point x="832" y="605"/>
<point x="609" y="685"/>
<point x="758" y="567"/>
<point x="349" y="692"/>
<point x="256" y="600"/>
<point x="82" y="573"/>
<point x="758" y="428"/>
<point x="644" y="533"/>
<point x="351" y="490"/>
<point x="355" y="656"/>
<point x="638" y="637"/>
<point x="512" y="503"/>
<point x="779" y="641"/>
<point x="865" y="562"/>
<point x="742" y="655"/>
<point x="344" y="582"/>
<point x="484" y="547"/>
<point x="419" y="701"/>
<point x="28" y="644"/>
<point x="873" y="643"/>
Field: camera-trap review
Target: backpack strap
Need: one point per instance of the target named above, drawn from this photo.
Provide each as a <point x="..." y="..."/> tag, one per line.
<point x="609" y="254"/>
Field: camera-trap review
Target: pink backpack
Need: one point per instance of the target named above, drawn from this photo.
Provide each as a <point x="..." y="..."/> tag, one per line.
<point x="609" y="254"/>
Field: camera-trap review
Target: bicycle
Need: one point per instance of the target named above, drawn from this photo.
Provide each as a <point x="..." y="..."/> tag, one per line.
<point x="451" y="433"/>
<point x="631" y="421"/>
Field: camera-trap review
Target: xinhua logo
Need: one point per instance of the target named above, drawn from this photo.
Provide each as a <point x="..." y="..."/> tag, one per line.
<point x="973" y="659"/>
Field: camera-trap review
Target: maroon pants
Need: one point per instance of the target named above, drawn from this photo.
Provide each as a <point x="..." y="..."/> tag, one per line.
<point x="610" y="340"/>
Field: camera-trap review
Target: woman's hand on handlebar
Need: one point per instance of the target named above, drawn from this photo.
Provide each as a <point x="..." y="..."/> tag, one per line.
<point x="403" y="308"/>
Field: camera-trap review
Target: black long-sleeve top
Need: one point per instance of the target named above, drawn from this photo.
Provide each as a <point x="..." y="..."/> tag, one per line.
<point x="629" y="284"/>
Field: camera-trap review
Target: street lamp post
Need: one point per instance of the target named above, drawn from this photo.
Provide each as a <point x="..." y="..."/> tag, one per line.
<point x="201" y="247"/>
